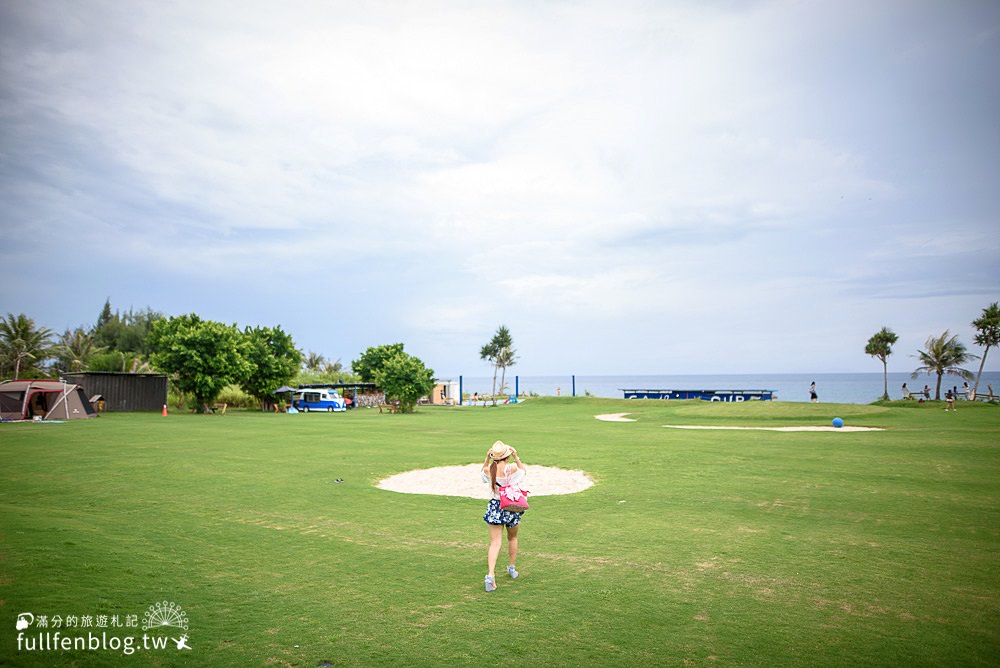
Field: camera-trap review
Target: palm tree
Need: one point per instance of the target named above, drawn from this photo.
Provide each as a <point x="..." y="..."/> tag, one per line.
<point x="943" y="354"/>
<point x="314" y="361"/>
<point x="22" y="344"/>
<point x="500" y="353"/>
<point x="75" y="349"/>
<point x="488" y="353"/>
<point x="332" y="368"/>
<point x="880" y="346"/>
<point x="506" y="357"/>
<point x="987" y="335"/>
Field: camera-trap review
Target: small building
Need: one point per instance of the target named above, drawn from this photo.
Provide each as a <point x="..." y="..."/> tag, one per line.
<point x="445" y="393"/>
<point x="124" y="391"/>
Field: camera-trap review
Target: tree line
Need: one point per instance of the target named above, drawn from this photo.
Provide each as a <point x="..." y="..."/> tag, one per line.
<point x="943" y="354"/>
<point x="201" y="357"/>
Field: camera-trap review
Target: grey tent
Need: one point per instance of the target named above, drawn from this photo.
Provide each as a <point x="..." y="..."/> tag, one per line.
<point x="47" y="399"/>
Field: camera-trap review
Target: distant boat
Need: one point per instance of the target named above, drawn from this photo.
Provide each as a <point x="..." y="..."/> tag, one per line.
<point x="705" y="395"/>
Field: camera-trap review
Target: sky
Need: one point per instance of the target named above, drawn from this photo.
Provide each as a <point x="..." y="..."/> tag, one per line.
<point x="682" y="187"/>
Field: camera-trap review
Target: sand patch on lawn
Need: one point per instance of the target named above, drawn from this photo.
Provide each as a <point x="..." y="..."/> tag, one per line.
<point x="614" y="417"/>
<point x="830" y="428"/>
<point x="465" y="481"/>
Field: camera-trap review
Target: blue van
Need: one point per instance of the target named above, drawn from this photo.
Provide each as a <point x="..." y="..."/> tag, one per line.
<point x="319" y="400"/>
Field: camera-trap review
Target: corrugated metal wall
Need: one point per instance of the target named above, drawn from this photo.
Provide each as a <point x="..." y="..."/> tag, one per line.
<point x="124" y="391"/>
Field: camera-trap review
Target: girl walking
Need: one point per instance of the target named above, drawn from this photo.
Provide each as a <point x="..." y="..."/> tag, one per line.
<point x="502" y="467"/>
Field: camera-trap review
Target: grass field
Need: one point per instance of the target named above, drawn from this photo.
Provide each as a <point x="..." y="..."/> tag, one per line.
<point x="705" y="548"/>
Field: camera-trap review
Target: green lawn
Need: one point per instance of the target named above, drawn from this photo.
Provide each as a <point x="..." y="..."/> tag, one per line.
<point x="718" y="548"/>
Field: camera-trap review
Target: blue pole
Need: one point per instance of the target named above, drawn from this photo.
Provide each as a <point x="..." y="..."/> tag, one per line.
<point x="517" y="387"/>
<point x="574" y="385"/>
<point x="460" y="395"/>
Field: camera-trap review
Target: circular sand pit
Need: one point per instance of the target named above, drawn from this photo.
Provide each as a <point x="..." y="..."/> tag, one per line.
<point x="465" y="481"/>
<point x="680" y="426"/>
<point x="614" y="417"/>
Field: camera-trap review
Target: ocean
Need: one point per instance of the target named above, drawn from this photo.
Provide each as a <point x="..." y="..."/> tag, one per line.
<point x="847" y="388"/>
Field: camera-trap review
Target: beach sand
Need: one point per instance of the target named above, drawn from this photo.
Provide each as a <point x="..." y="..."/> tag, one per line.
<point x="614" y="417"/>
<point x="465" y="481"/>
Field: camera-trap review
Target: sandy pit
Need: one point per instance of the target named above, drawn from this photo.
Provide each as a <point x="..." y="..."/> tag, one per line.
<point x="465" y="481"/>
<point x="614" y="417"/>
<point x="831" y="428"/>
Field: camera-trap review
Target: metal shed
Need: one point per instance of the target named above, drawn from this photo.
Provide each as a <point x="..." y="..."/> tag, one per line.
<point x="124" y="391"/>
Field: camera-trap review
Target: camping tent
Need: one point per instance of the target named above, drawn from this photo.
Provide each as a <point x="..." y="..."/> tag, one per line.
<point x="48" y="399"/>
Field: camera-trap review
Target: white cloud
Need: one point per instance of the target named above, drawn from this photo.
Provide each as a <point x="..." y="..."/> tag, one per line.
<point x="594" y="164"/>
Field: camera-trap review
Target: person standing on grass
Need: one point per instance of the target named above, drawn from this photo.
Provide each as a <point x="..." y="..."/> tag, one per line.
<point x="502" y="467"/>
<point x="813" y="397"/>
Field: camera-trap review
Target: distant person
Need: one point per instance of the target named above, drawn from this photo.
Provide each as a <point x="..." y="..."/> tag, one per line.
<point x="813" y="397"/>
<point x="949" y="398"/>
<point x="967" y="391"/>
<point x="927" y="392"/>
<point x="906" y="392"/>
<point x="498" y="470"/>
<point x="475" y="398"/>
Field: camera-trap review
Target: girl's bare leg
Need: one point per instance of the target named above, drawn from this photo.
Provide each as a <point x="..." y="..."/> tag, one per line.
<point x="496" y="537"/>
<point x="511" y="545"/>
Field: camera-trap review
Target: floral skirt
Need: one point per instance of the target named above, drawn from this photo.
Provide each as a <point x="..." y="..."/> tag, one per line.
<point x="496" y="516"/>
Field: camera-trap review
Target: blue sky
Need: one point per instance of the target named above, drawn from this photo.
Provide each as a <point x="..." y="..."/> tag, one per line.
<point x="631" y="187"/>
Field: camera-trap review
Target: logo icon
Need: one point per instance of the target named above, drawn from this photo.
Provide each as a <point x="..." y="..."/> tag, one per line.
<point x="24" y="620"/>
<point x="165" y="614"/>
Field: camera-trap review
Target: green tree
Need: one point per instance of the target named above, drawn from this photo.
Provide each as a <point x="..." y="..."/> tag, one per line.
<point x="112" y="361"/>
<point x="880" y="346"/>
<point x="125" y="332"/>
<point x="372" y="360"/>
<point x="404" y="378"/>
<point x="134" y="333"/>
<point x="75" y="350"/>
<point x="330" y="373"/>
<point x="23" y="346"/>
<point x="273" y="361"/>
<point x="943" y="355"/>
<point x="107" y="328"/>
<point x="106" y="316"/>
<point x="203" y="356"/>
<point x="116" y="361"/>
<point x="987" y="335"/>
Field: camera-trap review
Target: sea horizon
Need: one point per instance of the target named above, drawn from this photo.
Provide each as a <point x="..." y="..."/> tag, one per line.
<point x="849" y="388"/>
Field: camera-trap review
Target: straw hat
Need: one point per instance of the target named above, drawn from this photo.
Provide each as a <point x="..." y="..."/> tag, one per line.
<point x="500" y="451"/>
